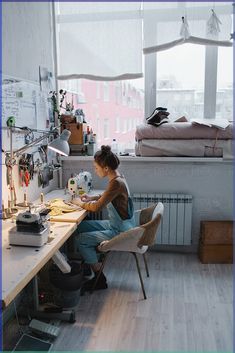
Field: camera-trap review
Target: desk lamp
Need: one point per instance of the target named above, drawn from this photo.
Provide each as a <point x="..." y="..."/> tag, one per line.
<point x="60" y="144"/>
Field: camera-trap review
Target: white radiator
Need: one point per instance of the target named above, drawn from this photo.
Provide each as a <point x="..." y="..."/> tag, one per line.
<point x="95" y="215"/>
<point x="176" y="225"/>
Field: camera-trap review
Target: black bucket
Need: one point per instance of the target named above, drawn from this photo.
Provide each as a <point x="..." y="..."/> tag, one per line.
<point x="69" y="284"/>
<point x="66" y="299"/>
<point x="67" y="281"/>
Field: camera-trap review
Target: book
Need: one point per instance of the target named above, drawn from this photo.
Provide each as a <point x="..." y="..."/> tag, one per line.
<point x="218" y="123"/>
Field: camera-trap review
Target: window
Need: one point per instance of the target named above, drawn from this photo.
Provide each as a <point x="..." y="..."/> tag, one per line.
<point x="180" y="76"/>
<point x="174" y="78"/>
<point x="106" y="91"/>
<point x="106" y="128"/>
<point x="224" y="97"/>
<point x="97" y="89"/>
<point x="117" y="124"/>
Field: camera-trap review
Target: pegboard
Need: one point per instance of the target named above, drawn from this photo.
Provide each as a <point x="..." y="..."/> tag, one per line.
<point x="28" y="104"/>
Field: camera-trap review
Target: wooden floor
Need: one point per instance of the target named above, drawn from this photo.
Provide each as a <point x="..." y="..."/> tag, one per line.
<point x="188" y="309"/>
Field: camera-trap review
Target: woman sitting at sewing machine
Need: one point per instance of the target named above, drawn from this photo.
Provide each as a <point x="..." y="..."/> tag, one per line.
<point x="120" y="210"/>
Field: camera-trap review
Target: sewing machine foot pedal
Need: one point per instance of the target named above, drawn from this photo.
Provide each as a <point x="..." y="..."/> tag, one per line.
<point x="44" y="329"/>
<point x="65" y="315"/>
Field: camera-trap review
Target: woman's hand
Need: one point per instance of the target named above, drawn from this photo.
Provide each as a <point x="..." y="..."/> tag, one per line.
<point x="77" y="202"/>
<point x="86" y="198"/>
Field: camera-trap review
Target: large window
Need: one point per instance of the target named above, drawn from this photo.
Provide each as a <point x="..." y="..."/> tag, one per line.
<point x="224" y="98"/>
<point x="180" y="79"/>
<point x="176" y="78"/>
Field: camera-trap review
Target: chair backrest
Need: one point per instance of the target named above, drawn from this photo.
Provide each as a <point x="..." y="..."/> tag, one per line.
<point x="150" y="219"/>
<point x="139" y="238"/>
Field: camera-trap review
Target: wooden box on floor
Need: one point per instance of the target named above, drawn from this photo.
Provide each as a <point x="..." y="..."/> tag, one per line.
<point x="216" y="242"/>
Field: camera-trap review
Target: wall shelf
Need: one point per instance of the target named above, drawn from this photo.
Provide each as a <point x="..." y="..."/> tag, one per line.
<point x="153" y="159"/>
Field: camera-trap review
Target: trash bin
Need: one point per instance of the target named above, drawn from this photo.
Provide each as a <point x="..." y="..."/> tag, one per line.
<point x="67" y="284"/>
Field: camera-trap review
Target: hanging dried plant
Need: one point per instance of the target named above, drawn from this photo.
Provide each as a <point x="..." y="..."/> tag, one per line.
<point x="184" y="30"/>
<point x="213" y="24"/>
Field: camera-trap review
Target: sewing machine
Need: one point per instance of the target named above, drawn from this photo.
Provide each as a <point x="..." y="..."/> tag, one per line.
<point x="31" y="230"/>
<point x="80" y="184"/>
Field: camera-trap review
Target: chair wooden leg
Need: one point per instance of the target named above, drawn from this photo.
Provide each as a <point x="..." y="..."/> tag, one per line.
<point x="141" y="280"/>
<point x="146" y="265"/>
<point x="100" y="271"/>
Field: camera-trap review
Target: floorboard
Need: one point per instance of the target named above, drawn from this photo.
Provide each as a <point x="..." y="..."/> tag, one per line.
<point x="188" y="309"/>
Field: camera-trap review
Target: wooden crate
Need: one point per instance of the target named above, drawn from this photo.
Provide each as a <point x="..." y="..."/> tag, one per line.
<point x="217" y="232"/>
<point x="216" y="242"/>
<point x="215" y="254"/>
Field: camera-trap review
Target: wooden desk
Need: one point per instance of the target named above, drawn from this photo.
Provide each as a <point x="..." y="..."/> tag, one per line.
<point x="21" y="263"/>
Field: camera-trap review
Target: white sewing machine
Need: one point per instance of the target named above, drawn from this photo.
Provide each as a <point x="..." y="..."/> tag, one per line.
<point x="80" y="184"/>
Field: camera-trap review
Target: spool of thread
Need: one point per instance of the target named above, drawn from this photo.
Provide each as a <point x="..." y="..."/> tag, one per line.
<point x="3" y="212"/>
<point x="25" y="199"/>
<point x="9" y="206"/>
<point x="42" y="197"/>
<point x="4" y="215"/>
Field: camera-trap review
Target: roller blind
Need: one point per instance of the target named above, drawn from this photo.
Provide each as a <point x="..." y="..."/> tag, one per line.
<point x="99" y="40"/>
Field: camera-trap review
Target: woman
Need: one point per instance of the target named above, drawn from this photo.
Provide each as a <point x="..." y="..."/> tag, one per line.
<point x="120" y="210"/>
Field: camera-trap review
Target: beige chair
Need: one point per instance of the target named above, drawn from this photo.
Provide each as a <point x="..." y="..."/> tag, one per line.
<point x="136" y="240"/>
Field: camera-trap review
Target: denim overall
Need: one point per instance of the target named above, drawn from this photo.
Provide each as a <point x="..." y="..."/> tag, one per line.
<point x="92" y="233"/>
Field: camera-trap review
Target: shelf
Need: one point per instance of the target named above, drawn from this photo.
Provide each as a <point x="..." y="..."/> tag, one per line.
<point x="153" y="159"/>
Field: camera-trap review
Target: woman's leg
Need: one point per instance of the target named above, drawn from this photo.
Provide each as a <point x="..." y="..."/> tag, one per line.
<point x="90" y="226"/>
<point x="87" y="243"/>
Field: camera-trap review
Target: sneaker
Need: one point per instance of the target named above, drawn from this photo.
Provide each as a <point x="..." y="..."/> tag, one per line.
<point x="88" y="285"/>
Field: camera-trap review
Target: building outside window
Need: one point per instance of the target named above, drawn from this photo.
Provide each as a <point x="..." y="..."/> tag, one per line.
<point x="106" y="128"/>
<point x="180" y="74"/>
<point x="97" y="89"/>
<point x="106" y="91"/>
<point x="224" y="106"/>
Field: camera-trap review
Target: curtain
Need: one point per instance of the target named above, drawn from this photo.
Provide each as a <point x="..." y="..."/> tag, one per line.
<point x="99" y="40"/>
<point x="177" y="23"/>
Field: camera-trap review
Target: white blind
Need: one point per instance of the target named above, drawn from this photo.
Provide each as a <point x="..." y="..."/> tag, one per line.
<point x="170" y="31"/>
<point x="99" y="40"/>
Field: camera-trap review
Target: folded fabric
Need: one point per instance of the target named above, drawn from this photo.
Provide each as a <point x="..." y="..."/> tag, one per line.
<point x="182" y="119"/>
<point x="183" y="130"/>
<point x="59" y="206"/>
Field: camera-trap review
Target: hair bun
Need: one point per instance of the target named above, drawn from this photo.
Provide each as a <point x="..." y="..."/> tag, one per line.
<point x="106" y="149"/>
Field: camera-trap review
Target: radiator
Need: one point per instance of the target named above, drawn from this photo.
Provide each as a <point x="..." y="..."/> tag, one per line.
<point x="176" y="225"/>
<point x="95" y="215"/>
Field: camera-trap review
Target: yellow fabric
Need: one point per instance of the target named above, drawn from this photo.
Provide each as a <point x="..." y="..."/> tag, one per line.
<point x="58" y="207"/>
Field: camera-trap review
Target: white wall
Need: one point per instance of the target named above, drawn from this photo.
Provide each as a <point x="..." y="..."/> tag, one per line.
<point x="210" y="184"/>
<point x="27" y="43"/>
<point x="27" y="40"/>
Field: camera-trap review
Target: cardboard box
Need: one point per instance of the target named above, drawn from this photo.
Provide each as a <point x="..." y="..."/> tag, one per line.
<point x="76" y="129"/>
<point x="217" y="232"/>
<point x="215" y="254"/>
<point x="67" y="119"/>
<point x="216" y="242"/>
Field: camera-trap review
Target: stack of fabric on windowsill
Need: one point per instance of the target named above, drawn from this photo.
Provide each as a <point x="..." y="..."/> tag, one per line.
<point x="183" y="139"/>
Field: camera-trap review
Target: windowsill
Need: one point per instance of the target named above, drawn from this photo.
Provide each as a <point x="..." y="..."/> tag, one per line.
<point x="154" y="159"/>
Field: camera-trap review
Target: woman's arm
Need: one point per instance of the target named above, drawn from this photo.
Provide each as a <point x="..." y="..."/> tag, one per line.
<point x="112" y="191"/>
<point x="86" y="198"/>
